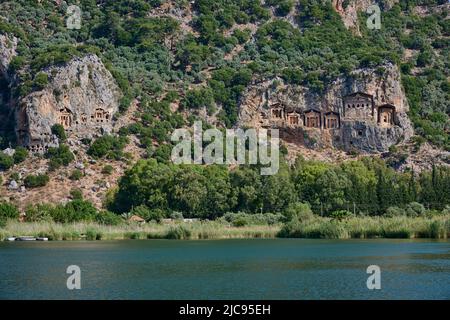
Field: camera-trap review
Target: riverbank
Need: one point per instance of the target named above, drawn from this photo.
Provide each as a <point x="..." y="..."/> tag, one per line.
<point x="176" y="230"/>
<point x="437" y="227"/>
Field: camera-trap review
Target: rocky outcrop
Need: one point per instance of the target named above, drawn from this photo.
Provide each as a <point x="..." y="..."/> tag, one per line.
<point x="333" y="118"/>
<point x="81" y="95"/>
<point x="8" y="46"/>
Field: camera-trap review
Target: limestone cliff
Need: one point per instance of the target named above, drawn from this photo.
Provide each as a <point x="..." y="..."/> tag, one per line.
<point x="81" y="95"/>
<point x="364" y="111"/>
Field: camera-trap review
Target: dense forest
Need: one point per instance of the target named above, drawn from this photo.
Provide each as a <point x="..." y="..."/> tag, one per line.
<point x="365" y="187"/>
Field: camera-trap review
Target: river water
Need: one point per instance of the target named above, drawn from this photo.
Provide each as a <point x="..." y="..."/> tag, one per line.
<point x="226" y="269"/>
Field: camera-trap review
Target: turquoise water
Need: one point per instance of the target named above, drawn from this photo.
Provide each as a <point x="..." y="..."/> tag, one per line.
<point x="226" y="269"/>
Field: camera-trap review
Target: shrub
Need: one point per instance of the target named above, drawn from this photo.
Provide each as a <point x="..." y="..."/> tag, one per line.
<point x="58" y="130"/>
<point x="73" y="211"/>
<point x="8" y="211"/>
<point x="395" y="212"/>
<point x="107" y="169"/>
<point x="178" y="232"/>
<point x="76" y="194"/>
<point x="176" y="215"/>
<point x="39" y="212"/>
<point x="6" y="161"/>
<point x="34" y="181"/>
<point x="40" y="80"/>
<point x="240" y="222"/>
<point x="76" y="175"/>
<point x="199" y="98"/>
<point x="109" y="146"/>
<point x="59" y="156"/>
<point x="92" y="234"/>
<point x="20" y="155"/>
<point x="414" y="209"/>
<point x="148" y="214"/>
<point x="300" y="211"/>
<point x="340" y="214"/>
<point x="108" y="218"/>
<point x="142" y="211"/>
<point x="81" y="210"/>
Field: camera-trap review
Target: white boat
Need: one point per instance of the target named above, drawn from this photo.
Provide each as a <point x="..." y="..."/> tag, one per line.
<point x="11" y="239"/>
<point x="41" y="239"/>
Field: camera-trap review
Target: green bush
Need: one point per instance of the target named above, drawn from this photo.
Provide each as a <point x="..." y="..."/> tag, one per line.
<point x="76" y="194"/>
<point x="8" y="211"/>
<point x="6" y="161"/>
<point x="40" y="80"/>
<point x="415" y="209"/>
<point x="20" y="155"/>
<point x="240" y="222"/>
<point x="341" y="214"/>
<point x="60" y="156"/>
<point x="395" y="212"/>
<point x="107" y="169"/>
<point x="74" y="211"/>
<point x="199" y="98"/>
<point x="35" y="181"/>
<point x="300" y="211"/>
<point x="108" y="218"/>
<point x="58" y="130"/>
<point x="109" y="146"/>
<point x="39" y="212"/>
<point x="178" y="232"/>
<point x="148" y="214"/>
<point x="176" y="215"/>
<point x="76" y="175"/>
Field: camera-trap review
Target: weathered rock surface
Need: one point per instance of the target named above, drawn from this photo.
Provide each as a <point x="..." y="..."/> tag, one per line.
<point x="13" y="185"/>
<point x="9" y="151"/>
<point x="81" y="95"/>
<point x="381" y="85"/>
<point x="8" y="46"/>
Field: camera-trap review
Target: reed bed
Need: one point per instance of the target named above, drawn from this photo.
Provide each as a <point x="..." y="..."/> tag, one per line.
<point x="437" y="227"/>
<point x="94" y="231"/>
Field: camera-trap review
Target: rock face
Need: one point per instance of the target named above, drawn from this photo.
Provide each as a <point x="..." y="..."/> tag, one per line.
<point x="81" y="95"/>
<point x="364" y="111"/>
<point x="8" y="46"/>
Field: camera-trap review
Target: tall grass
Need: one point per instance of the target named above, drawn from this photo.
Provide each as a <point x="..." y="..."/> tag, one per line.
<point x="369" y="227"/>
<point x="94" y="231"/>
<point x="437" y="227"/>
